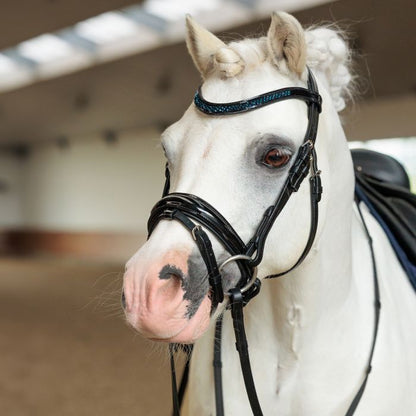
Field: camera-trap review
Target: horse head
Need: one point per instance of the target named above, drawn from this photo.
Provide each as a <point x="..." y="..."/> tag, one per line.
<point x="238" y="164"/>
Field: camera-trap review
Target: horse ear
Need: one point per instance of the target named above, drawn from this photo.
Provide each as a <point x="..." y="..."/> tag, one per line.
<point x="202" y="46"/>
<point x="286" y="43"/>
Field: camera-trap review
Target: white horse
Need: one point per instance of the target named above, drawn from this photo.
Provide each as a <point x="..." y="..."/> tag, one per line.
<point x="310" y="332"/>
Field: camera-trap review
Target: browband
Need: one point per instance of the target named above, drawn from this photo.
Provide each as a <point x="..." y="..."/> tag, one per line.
<point x="261" y="100"/>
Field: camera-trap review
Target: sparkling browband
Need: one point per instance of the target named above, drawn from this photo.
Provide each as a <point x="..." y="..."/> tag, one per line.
<point x="255" y="102"/>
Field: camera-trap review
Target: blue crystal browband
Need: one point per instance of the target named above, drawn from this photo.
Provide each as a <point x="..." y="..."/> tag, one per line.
<point x="255" y="102"/>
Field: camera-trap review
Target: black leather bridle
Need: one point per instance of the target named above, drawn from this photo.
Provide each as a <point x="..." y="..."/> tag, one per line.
<point x="197" y="215"/>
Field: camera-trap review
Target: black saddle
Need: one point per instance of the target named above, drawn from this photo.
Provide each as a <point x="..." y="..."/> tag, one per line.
<point x="381" y="167"/>
<point x="382" y="183"/>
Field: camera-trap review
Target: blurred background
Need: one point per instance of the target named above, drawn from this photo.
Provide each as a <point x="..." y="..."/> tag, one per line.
<point x="86" y="87"/>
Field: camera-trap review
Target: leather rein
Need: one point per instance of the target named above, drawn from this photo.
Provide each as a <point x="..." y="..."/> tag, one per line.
<point x="197" y="215"/>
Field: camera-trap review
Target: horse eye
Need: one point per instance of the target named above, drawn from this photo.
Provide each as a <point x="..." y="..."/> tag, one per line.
<point x="275" y="158"/>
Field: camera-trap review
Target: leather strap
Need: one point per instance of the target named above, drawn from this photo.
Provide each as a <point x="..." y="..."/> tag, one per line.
<point x="237" y="304"/>
<point x="261" y="100"/>
<point x="207" y="253"/>
<point x="195" y="208"/>
<point x="178" y="395"/>
<point x="200" y="211"/>
<point x="306" y="160"/>
<point x="217" y="364"/>
<point x="315" y="197"/>
<point x="175" y="396"/>
<point x="377" y="309"/>
<point x="166" y="187"/>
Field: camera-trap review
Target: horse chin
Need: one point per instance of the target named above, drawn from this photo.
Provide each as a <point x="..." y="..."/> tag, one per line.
<point x="192" y="329"/>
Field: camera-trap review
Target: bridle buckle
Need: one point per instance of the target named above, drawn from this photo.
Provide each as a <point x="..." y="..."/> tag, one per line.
<point x="237" y="257"/>
<point x="194" y="230"/>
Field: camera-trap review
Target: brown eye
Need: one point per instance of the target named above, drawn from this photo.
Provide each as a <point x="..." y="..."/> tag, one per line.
<point x="275" y="158"/>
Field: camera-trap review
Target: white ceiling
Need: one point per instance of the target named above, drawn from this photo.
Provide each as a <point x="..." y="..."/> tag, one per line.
<point x="131" y="30"/>
<point x="156" y="86"/>
<point x="24" y="19"/>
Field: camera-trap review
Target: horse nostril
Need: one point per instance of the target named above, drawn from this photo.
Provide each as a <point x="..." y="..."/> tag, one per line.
<point x="123" y="299"/>
<point x="169" y="272"/>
